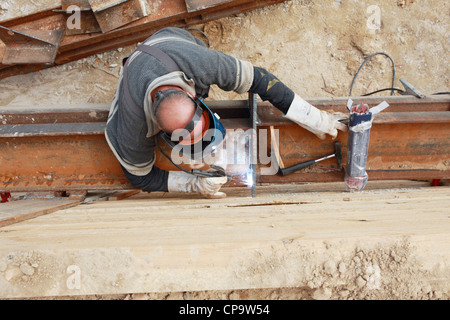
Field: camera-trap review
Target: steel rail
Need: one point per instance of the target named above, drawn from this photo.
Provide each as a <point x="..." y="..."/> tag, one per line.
<point x="65" y="149"/>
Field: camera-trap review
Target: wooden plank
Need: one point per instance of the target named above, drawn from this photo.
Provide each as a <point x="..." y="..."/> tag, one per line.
<point x="196" y="5"/>
<point x="287" y="236"/>
<point x="275" y="148"/>
<point x="16" y="211"/>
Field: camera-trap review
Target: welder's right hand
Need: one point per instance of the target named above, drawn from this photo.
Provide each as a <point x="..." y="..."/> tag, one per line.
<point x="180" y="181"/>
<point x="314" y="120"/>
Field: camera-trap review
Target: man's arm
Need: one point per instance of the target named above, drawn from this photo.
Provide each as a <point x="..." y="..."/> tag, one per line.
<point x="177" y="181"/>
<point x="155" y="180"/>
<point x="319" y="122"/>
<point x="271" y="89"/>
<point x="207" y="67"/>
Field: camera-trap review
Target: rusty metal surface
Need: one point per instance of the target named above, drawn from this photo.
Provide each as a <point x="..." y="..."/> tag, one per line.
<point x="411" y="141"/>
<point x="111" y="15"/>
<point x="78" y="162"/>
<point x="403" y="107"/>
<point x="74" y="160"/>
<point x="196" y="5"/>
<point x="15" y="116"/>
<point x="101" y="16"/>
<point x="162" y="14"/>
<point x="35" y="46"/>
<point x="51" y="129"/>
<point x="82" y="4"/>
<point x="87" y="24"/>
<point x="396" y="151"/>
<point x="74" y="154"/>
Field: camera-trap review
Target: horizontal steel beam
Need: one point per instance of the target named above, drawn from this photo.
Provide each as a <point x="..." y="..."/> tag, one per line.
<point x="65" y="150"/>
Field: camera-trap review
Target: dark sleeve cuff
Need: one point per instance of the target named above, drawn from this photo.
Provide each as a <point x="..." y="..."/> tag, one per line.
<point x="156" y="180"/>
<point x="271" y="89"/>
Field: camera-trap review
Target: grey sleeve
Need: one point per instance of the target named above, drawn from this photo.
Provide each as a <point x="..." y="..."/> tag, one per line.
<point x="207" y="67"/>
<point x="225" y="71"/>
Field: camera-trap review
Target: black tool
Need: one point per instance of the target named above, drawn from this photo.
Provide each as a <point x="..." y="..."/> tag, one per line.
<point x="337" y="153"/>
<point x="215" y="171"/>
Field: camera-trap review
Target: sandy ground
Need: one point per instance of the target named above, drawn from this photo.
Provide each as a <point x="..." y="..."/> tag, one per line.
<point x="315" y="47"/>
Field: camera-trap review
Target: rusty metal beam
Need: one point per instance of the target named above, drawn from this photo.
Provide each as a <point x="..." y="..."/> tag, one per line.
<point x="163" y="13"/>
<point x="396" y="151"/>
<point x="65" y="150"/>
<point x="34" y="46"/>
<point x="113" y="14"/>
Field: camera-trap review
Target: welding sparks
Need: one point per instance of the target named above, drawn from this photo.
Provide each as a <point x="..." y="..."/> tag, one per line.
<point x="248" y="181"/>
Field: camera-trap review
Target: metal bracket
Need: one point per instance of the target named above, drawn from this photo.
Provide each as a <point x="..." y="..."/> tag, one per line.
<point x="253" y="106"/>
<point x="39" y="46"/>
<point x="112" y="14"/>
<point x="81" y="10"/>
<point x="103" y="15"/>
<point x="410" y="90"/>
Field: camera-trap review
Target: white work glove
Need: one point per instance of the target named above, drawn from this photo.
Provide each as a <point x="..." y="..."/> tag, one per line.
<point x="317" y="121"/>
<point x="180" y="181"/>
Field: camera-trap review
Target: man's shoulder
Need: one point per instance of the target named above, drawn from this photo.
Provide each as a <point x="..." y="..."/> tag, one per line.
<point x="172" y="32"/>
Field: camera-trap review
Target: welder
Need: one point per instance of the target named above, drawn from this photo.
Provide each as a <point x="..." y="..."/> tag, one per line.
<point x="160" y="93"/>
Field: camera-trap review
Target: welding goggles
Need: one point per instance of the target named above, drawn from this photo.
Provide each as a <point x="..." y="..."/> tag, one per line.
<point x="200" y="147"/>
